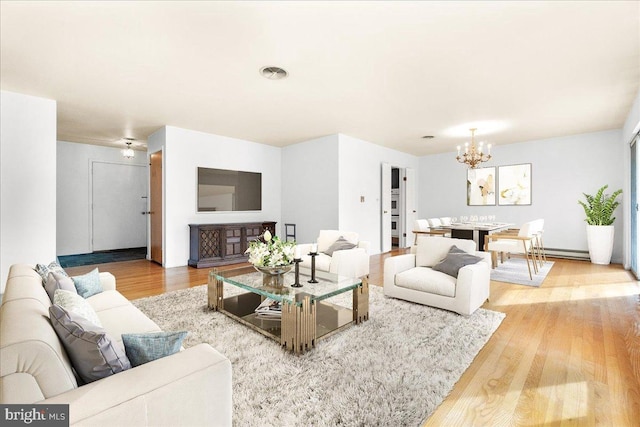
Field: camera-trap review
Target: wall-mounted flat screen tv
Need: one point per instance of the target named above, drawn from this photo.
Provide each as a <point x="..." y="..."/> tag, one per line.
<point x="229" y="190"/>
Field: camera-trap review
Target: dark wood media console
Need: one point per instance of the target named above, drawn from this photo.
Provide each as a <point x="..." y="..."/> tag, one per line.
<point x="220" y="244"/>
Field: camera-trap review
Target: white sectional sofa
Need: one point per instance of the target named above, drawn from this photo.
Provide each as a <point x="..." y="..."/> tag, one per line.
<point x="411" y="277"/>
<point x="191" y="387"/>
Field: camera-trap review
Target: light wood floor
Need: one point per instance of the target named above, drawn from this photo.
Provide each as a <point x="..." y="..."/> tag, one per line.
<point x="567" y="353"/>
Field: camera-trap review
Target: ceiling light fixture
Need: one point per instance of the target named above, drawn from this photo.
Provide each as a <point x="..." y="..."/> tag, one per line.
<point x="473" y="155"/>
<point x="273" y="73"/>
<point x="128" y="152"/>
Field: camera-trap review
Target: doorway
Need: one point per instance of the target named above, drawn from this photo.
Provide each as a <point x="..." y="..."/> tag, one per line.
<point x="118" y="200"/>
<point x="398" y="207"/>
<point x="155" y="207"/>
<point x="634" y="243"/>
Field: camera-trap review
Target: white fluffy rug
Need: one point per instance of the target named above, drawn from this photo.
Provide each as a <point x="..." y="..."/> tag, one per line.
<point x="394" y="369"/>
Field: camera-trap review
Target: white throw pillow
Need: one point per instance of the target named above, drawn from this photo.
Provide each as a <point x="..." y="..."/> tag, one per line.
<point x="73" y="302"/>
<point x="431" y="250"/>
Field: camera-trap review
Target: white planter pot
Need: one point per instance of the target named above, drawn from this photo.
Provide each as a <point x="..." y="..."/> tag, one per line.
<point x="600" y="242"/>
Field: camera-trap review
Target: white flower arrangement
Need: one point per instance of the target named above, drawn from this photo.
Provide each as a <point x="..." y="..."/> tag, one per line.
<point x="272" y="252"/>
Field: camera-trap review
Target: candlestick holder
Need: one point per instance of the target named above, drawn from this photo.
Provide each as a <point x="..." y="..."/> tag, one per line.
<point x="297" y="283"/>
<point x="313" y="256"/>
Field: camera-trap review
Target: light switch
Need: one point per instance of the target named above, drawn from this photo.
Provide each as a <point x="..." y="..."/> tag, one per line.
<point x="361" y="199"/>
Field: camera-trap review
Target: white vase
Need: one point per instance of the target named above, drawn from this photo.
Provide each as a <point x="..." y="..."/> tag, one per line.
<point x="600" y="242"/>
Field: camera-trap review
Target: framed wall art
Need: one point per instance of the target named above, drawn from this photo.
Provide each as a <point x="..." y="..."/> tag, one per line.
<point x="481" y="187"/>
<point x="514" y="185"/>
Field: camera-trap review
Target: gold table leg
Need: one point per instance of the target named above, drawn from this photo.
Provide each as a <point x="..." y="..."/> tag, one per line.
<point x="298" y="327"/>
<point x="361" y="302"/>
<point x="214" y="291"/>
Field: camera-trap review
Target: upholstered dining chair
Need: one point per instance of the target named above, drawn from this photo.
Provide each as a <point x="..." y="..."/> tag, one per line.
<point x="524" y="243"/>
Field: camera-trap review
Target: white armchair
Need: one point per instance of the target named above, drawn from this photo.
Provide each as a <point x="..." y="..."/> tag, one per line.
<point x="412" y="277"/>
<point x="353" y="262"/>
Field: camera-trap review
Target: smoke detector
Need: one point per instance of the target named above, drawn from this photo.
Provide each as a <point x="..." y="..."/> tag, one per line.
<point x="273" y="73"/>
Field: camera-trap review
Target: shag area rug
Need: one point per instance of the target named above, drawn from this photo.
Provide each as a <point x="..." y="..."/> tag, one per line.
<point x="393" y="369"/>
<point x="514" y="270"/>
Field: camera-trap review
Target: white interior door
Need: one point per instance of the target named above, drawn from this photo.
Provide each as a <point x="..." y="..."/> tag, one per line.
<point x="385" y="199"/>
<point x="118" y="201"/>
<point x="409" y="192"/>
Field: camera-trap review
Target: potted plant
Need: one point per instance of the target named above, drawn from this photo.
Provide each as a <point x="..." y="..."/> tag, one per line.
<point x="599" y="210"/>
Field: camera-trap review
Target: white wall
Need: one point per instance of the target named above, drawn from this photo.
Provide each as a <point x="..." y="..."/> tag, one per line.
<point x="186" y="150"/>
<point x="360" y="174"/>
<point x="562" y="169"/>
<point x="27" y="181"/>
<point x="310" y="187"/>
<point x="73" y="191"/>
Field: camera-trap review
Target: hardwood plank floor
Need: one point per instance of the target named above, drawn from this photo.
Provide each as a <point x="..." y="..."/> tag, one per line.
<point x="567" y="353"/>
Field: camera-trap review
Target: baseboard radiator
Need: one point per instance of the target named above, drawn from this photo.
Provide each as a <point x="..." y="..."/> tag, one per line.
<point x="567" y="253"/>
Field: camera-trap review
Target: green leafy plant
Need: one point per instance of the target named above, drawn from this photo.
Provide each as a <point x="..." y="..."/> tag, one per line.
<point x="599" y="208"/>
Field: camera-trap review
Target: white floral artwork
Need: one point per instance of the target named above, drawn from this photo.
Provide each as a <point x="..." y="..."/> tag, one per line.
<point x="481" y="189"/>
<point x="514" y="185"/>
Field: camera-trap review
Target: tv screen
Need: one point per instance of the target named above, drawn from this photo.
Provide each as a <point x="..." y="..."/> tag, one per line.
<point x="228" y="190"/>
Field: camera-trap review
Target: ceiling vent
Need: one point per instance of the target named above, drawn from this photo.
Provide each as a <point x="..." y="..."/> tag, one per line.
<point x="273" y="73"/>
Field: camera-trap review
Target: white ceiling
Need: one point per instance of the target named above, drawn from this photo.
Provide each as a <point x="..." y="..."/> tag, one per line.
<point x="385" y="72"/>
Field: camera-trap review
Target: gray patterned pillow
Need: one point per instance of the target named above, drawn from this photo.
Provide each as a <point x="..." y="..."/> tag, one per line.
<point x="143" y="348"/>
<point x="93" y="353"/>
<point x="455" y="260"/>
<point x="339" y="245"/>
<point x="71" y="301"/>
<point x="88" y="284"/>
<point x="56" y="281"/>
<point x="44" y="270"/>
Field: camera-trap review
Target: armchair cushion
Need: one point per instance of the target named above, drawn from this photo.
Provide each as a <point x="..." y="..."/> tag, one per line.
<point x="431" y="250"/>
<point x="326" y="238"/>
<point x="455" y="260"/>
<point x="427" y="280"/>
<point x="339" y="245"/>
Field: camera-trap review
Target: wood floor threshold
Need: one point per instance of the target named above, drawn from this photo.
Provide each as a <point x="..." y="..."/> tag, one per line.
<point x="567" y="353"/>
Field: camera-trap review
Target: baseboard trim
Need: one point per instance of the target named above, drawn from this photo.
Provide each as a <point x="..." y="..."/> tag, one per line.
<point x="567" y="253"/>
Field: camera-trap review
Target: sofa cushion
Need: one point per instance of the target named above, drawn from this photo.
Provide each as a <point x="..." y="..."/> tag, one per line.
<point x="71" y="301"/>
<point x="432" y="250"/>
<point x="91" y="350"/>
<point x="44" y="270"/>
<point x="326" y="238"/>
<point x="55" y="280"/>
<point x="88" y="284"/>
<point x="427" y="280"/>
<point x="454" y="261"/>
<point x="339" y="245"/>
<point x="143" y="348"/>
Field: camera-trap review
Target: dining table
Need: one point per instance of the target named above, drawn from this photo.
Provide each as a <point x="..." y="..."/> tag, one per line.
<point x="475" y="231"/>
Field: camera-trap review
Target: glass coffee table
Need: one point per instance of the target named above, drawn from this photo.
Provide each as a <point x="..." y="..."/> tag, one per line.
<point x="305" y="314"/>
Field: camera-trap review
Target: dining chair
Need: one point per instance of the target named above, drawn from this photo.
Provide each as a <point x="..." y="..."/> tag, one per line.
<point x="521" y="243"/>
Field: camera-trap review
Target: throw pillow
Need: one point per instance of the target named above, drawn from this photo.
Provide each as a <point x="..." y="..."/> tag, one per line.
<point x="93" y="353"/>
<point x="55" y="281"/>
<point x="339" y="245"/>
<point x="455" y="260"/>
<point x="44" y="270"/>
<point x="88" y="284"/>
<point x="143" y="348"/>
<point x="71" y="301"/>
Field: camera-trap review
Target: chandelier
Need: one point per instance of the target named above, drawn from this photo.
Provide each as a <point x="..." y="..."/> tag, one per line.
<point x="473" y="154"/>
<point x="128" y="152"/>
